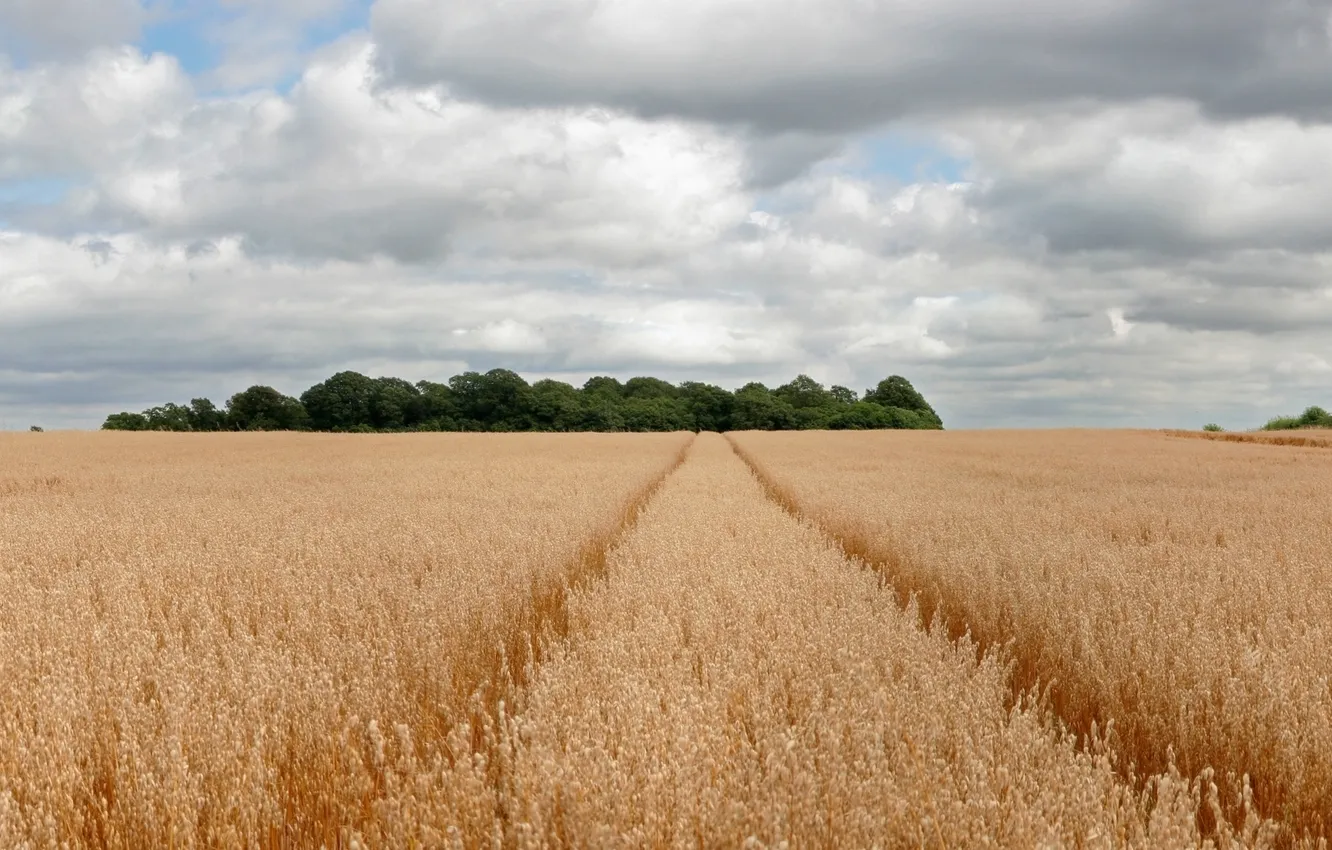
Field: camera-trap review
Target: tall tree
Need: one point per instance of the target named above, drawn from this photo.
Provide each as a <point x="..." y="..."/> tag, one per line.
<point x="204" y="415"/>
<point x="757" y="409"/>
<point x="657" y="414"/>
<point x="556" y="406"/>
<point x="499" y="400"/>
<point x="649" y="388"/>
<point x="262" y="408"/>
<point x="604" y="387"/>
<point x="710" y="405"/>
<point x="439" y="409"/>
<point x="803" y="392"/>
<point x="395" y="404"/>
<point x="340" y="403"/>
<point x="844" y="395"/>
<point x="168" y="417"/>
<point x="896" y="391"/>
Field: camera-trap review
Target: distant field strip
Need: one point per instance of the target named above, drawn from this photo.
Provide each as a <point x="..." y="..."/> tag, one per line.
<point x="285" y="640"/>
<point x="736" y="681"/>
<point x="1312" y="438"/>
<point x="1181" y="589"/>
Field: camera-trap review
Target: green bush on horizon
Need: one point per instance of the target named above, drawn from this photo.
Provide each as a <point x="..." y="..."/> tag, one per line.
<point x="1312" y="417"/>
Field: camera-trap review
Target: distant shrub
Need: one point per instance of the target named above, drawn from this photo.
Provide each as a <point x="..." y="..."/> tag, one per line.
<point x="1312" y="417"/>
<point x="1282" y="423"/>
<point x="1212" y="426"/>
<point x="37" y="429"/>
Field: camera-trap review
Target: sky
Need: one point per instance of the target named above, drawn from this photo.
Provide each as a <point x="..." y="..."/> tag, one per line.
<point x="1104" y="213"/>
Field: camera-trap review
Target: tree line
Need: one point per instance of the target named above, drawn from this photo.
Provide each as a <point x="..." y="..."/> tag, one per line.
<point x="501" y="400"/>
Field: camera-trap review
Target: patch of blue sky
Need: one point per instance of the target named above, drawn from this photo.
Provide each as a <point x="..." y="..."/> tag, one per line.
<point x="183" y="35"/>
<point x="905" y="158"/>
<point x="355" y="15"/>
<point x="22" y="196"/>
<point x="34" y="191"/>
<point x="189" y="33"/>
<point x="899" y="157"/>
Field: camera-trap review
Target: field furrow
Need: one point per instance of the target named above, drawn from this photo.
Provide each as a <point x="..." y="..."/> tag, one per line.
<point x="1307" y="438"/>
<point x="736" y="681"/>
<point x="1179" y="589"/>
<point x="285" y="640"/>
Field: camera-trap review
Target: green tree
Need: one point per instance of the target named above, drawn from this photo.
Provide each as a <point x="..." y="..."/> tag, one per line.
<point x="757" y="409"/>
<point x="897" y="391"/>
<point x="843" y="395"/>
<point x="710" y="405"/>
<point x="601" y="413"/>
<point x="604" y="387"/>
<point x="340" y="403"/>
<point x="1316" y="417"/>
<point x="499" y="400"/>
<point x="262" y="408"/>
<point x="439" y="408"/>
<point x="556" y="406"/>
<point x="125" y="422"/>
<point x="204" y="416"/>
<point x="862" y="416"/>
<point x="648" y="388"/>
<point x="169" y="417"/>
<point x="804" y="392"/>
<point x="656" y="414"/>
<point x="395" y="404"/>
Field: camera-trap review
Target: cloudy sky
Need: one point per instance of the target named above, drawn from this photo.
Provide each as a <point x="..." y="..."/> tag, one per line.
<point x="1108" y="212"/>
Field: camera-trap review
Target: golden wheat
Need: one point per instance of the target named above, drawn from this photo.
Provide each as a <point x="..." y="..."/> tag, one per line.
<point x="1181" y="589"/>
<point x="281" y="640"/>
<point x="737" y="682"/>
<point x="299" y="640"/>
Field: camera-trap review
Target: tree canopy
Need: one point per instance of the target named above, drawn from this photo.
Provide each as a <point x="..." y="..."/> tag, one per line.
<point x="502" y="400"/>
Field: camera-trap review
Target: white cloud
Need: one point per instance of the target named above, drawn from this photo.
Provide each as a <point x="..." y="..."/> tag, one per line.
<point x="1155" y="176"/>
<point x="1119" y="326"/>
<point x="341" y="169"/>
<point x="99" y="113"/>
<point x="506" y="336"/>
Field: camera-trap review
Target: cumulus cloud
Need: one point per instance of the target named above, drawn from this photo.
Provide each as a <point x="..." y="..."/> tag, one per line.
<point x="37" y="30"/>
<point x="96" y="114"/>
<point x="1155" y="177"/>
<point x="340" y="169"/>
<point x="846" y="64"/>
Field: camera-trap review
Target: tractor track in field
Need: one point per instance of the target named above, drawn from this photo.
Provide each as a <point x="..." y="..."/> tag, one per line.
<point x="1067" y="702"/>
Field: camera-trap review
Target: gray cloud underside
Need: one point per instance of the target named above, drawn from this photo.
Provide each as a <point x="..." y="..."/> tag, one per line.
<point x="845" y="64"/>
<point x="36" y="30"/>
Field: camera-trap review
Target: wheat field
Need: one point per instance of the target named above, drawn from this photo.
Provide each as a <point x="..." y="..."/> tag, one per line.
<point x="1066" y="639"/>
<point x="1179" y="589"/>
<point x="220" y="640"/>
